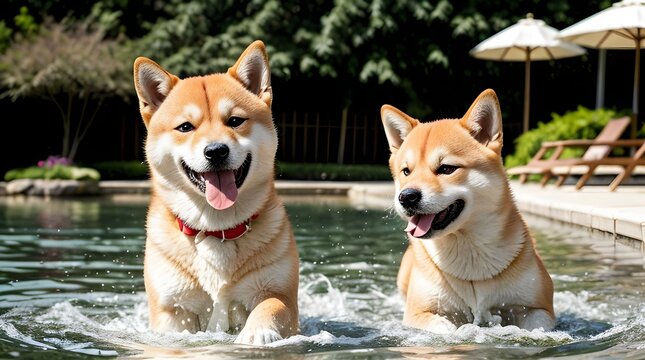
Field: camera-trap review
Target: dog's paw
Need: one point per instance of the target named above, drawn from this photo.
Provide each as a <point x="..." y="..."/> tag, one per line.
<point x="485" y="318"/>
<point x="441" y="325"/>
<point x="257" y="336"/>
<point x="495" y="320"/>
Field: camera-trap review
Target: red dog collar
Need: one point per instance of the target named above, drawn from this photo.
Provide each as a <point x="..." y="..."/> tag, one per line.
<point x="228" y="234"/>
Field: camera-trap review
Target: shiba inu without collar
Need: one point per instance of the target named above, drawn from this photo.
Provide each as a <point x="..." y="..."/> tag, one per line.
<point x="220" y="254"/>
<point x="470" y="257"/>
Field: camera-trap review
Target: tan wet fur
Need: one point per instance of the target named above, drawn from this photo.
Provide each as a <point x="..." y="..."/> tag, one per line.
<point x="483" y="267"/>
<point x="247" y="286"/>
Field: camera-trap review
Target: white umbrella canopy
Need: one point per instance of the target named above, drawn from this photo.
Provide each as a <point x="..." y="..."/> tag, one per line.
<point x="621" y="26"/>
<point x="528" y="40"/>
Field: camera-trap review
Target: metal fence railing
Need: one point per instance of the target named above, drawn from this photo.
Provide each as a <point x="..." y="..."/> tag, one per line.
<point x="315" y="137"/>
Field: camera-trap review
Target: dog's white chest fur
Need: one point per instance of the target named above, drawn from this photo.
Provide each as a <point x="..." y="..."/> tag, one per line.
<point x="469" y="262"/>
<point x="474" y="255"/>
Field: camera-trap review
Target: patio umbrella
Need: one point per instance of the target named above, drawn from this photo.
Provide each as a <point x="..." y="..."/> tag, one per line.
<point x="621" y="26"/>
<point x="528" y="40"/>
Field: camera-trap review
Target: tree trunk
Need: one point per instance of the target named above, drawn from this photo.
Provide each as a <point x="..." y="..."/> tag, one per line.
<point x="66" y="118"/>
<point x="343" y="135"/>
<point x="82" y="126"/>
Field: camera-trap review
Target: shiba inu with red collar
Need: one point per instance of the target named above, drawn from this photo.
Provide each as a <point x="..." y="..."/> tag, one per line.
<point x="220" y="254"/>
<point x="470" y="257"/>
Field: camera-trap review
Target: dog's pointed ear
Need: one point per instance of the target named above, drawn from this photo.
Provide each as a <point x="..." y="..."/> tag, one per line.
<point x="484" y="120"/>
<point x="153" y="84"/>
<point x="252" y="70"/>
<point x="397" y="125"/>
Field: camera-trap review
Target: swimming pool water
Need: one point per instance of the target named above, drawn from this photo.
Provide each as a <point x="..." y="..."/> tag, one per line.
<point x="71" y="286"/>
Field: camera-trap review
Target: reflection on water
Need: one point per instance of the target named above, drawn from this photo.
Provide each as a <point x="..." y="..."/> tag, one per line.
<point x="71" y="284"/>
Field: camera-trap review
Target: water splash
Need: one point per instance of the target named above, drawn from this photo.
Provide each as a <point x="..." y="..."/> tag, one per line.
<point x="330" y="319"/>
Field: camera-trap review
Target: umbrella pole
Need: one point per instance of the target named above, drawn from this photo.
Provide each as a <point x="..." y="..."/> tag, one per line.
<point x="600" y="82"/>
<point x="527" y="89"/>
<point x="637" y="75"/>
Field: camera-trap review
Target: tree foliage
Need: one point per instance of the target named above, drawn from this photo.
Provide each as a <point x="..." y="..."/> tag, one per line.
<point x="204" y="36"/>
<point x="355" y="42"/>
<point x="25" y="25"/>
<point x="5" y="36"/>
<point x="395" y="43"/>
<point x="412" y="53"/>
<point x="67" y="64"/>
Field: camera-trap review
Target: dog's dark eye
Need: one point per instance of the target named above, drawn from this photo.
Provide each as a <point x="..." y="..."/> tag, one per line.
<point x="185" y="127"/>
<point x="446" y="169"/>
<point x="235" y="121"/>
<point x="406" y="171"/>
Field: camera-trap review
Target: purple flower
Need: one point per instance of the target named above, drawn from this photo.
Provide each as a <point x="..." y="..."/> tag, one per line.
<point x="54" y="160"/>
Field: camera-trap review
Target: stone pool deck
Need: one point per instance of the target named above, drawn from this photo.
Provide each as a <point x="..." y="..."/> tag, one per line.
<point x="620" y="213"/>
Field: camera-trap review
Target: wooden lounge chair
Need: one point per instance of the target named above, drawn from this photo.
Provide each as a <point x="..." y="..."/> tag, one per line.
<point x="597" y="149"/>
<point x="621" y="167"/>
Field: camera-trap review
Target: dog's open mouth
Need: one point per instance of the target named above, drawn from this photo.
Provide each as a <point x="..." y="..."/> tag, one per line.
<point x="421" y="225"/>
<point x="220" y="186"/>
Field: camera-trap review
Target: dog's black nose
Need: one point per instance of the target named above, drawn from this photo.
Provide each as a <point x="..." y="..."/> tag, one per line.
<point x="216" y="152"/>
<point x="409" y="197"/>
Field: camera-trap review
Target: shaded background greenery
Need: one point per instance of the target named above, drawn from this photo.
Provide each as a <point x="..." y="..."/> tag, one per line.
<point x="330" y="56"/>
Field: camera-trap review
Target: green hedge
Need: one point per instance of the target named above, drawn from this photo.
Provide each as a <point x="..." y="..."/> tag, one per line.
<point x="108" y="170"/>
<point x="136" y="170"/>
<point x="122" y="170"/>
<point x="333" y="172"/>
<point x="132" y="170"/>
<point x="582" y="123"/>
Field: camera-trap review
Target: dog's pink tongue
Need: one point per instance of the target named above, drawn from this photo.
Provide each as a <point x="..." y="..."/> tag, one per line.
<point x="221" y="191"/>
<point x="419" y="225"/>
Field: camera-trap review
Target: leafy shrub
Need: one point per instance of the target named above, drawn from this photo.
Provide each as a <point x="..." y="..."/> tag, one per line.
<point x="122" y="170"/>
<point x="582" y="123"/>
<point x="61" y="172"/>
<point x="334" y="172"/>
